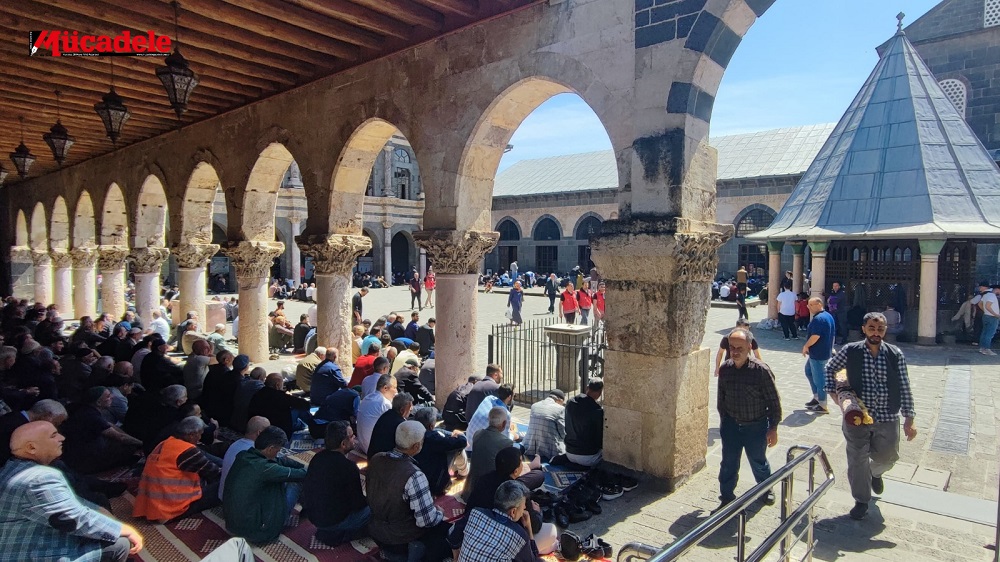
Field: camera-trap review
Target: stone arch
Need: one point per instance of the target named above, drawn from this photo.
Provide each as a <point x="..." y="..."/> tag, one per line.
<point x="585" y="221"/>
<point x="199" y="204"/>
<point x="402" y="250"/>
<point x="151" y="215"/>
<point x="21" y="230"/>
<point x="84" y="229"/>
<point x="114" y="218"/>
<point x="38" y="238"/>
<point x="509" y="229"/>
<point x="546" y="228"/>
<point x="59" y="229"/>
<point x="366" y="262"/>
<point x="261" y="197"/>
<point x="351" y="174"/>
<point x="753" y="214"/>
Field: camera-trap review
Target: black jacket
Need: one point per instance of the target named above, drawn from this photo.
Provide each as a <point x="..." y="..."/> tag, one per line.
<point x="276" y="405"/>
<point x="425" y="337"/>
<point x="384" y="433"/>
<point x="435" y="457"/>
<point x="584" y="426"/>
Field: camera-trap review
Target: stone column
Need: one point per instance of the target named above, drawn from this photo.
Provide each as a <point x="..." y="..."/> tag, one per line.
<point x="456" y="257"/>
<point x="43" y="276"/>
<point x="20" y="254"/>
<point x="84" y="281"/>
<point x="423" y="263"/>
<point x="387" y="250"/>
<point x="930" y="250"/>
<point x="774" y="276"/>
<point x="388" y="190"/>
<point x="656" y="395"/>
<point x="817" y="282"/>
<point x="192" y="261"/>
<point x="111" y="263"/>
<point x="295" y="267"/>
<point x="798" y="250"/>
<point x="334" y="257"/>
<point x="147" y="264"/>
<point x="62" y="282"/>
<point x="252" y="260"/>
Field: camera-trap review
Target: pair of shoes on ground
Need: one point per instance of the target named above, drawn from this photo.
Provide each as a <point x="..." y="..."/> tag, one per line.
<point x="814" y="406"/>
<point x="571" y="547"/>
<point x="612" y="485"/>
<point x="989" y="352"/>
<point x="766" y="499"/>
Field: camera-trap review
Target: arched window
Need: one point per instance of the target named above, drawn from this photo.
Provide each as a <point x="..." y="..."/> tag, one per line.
<point x="956" y="92"/>
<point x="587" y="228"/>
<point x="545" y="230"/>
<point x="509" y="231"/>
<point x="907" y="255"/>
<point x="753" y="221"/>
<point x="401" y="155"/>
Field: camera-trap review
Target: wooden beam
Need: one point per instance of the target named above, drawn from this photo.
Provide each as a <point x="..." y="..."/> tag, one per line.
<point x="358" y="15"/>
<point x="74" y="106"/>
<point x="406" y="10"/>
<point x="207" y="77"/>
<point x="465" y="8"/>
<point x="224" y="74"/>
<point x="308" y="20"/>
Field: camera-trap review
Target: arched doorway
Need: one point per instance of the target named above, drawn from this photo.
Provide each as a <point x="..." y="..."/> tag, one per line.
<point x="510" y="237"/>
<point x="402" y="253"/>
<point x="546" y="235"/>
<point x="587" y="228"/>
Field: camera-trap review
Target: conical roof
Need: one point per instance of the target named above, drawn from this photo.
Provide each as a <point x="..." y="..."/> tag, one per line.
<point x="901" y="163"/>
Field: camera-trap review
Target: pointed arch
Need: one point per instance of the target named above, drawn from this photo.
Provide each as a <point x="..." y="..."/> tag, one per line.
<point x="261" y="197"/>
<point x="21" y="232"/>
<point x="151" y="215"/>
<point x="38" y="239"/>
<point x="352" y="172"/>
<point x="59" y="228"/>
<point x="546" y="228"/>
<point x="509" y="230"/>
<point x="587" y="226"/>
<point x="84" y="229"/>
<point x="114" y="218"/>
<point x="198" y="206"/>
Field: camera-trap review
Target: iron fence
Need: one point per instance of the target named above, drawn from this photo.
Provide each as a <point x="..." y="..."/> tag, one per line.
<point x="535" y="365"/>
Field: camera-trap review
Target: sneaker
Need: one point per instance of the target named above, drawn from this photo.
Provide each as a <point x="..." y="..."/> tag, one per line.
<point x="577" y="513"/>
<point x="878" y="486"/>
<point x="812" y="402"/>
<point x="570" y="546"/>
<point x="786" y="339"/>
<point x="859" y="511"/>
<point x="627" y="482"/>
<point x="987" y="352"/>
<point x="597" y="548"/>
<point x="722" y="504"/>
<point x="768" y="498"/>
<point x="610" y="491"/>
<point x="818" y="408"/>
<point x="593" y="507"/>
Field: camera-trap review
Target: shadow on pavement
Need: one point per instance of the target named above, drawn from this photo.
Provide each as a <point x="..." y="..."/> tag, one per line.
<point x="838" y="535"/>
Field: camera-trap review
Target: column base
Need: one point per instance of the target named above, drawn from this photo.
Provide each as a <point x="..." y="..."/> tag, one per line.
<point x="926" y="340"/>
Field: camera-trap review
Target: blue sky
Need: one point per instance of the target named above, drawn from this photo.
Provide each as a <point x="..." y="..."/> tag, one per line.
<point x="800" y="64"/>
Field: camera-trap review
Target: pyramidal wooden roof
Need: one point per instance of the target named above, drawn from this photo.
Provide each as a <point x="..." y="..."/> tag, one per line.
<point x="901" y="163"/>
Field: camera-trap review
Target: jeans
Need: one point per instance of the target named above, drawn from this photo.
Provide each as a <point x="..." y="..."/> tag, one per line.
<point x="816" y="373"/>
<point x="570" y="317"/>
<point x="116" y="551"/>
<point x="736" y="438"/>
<point x="871" y="451"/>
<point x="585" y="316"/>
<point x="415" y="298"/>
<point x="292" y="491"/>
<point x="788" y="325"/>
<point x="301" y="419"/>
<point x="353" y="526"/>
<point x="990" y="324"/>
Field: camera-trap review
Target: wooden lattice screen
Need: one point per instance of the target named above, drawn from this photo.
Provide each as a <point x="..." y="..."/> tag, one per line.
<point x="883" y="269"/>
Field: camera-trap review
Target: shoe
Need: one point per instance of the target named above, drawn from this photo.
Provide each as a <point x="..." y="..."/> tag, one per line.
<point x="812" y="402"/>
<point x="577" y="513"/>
<point x="561" y="515"/>
<point x="596" y="547"/>
<point x="593" y="507"/>
<point x="627" y="482"/>
<point x="795" y="337"/>
<point x="722" y="504"/>
<point x="818" y="408"/>
<point x="570" y="545"/>
<point x="987" y="352"/>
<point x="544" y="498"/>
<point x="768" y="498"/>
<point x="548" y="515"/>
<point x="786" y="339"/>
<point x="610" y="491"/>
<point x="878" y="486"/>
<point x="859" y="511"/>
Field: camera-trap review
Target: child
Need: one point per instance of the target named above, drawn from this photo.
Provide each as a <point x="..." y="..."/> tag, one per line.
<point x="802" y="311"/>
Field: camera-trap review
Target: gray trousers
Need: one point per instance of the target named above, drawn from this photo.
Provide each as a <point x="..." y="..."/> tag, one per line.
<point x="233" y="550"/>
<point x="871" y="452"/>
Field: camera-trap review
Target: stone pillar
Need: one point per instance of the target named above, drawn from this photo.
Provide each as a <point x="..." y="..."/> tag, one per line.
<point x="111" y="263"/>
<point x="252" y="260"/>
<point x="774" y="276"/>
<point x="930" y="250"/>
<point x="43" y="276"/>
<point x="20" y="254"/>
<point x="569" y="340"/>
<point x="147" y="263"/>
<point x="388" y="189"/>
<point x="62" y="282"/>
<point x="817" y="283"/>
<point x="84" y="281"/>
<point x="798" y="250"/>
<point x="456" y="256"/>
<point x="423" y="263"/>
<point x="387" y="250"/>
<point x="192" y="261"/>
<point x="656" y="395"/>
<point x="295" y="267"/>
<point x="334" y="257"/>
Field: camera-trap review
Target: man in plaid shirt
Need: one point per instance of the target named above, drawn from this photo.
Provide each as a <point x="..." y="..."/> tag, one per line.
<point x="546" y="434"/>
<point x="876" y="371"/>
<point x="502" y="534"/>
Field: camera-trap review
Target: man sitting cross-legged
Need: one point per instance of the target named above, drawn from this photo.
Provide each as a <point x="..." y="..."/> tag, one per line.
<point x="443" y="452"/>
<point x="332" y="497"/>
<point x="499" y="533"/>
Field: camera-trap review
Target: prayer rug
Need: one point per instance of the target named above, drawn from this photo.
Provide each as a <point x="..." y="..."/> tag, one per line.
<point x="558" y="479"/>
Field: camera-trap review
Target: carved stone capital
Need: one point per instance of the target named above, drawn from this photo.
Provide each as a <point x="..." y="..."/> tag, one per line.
<point x="334" y="254"/>
<point x="40" y="258"/>
<point x="61" y="259"/>
<point x="194" y="256"/>
<point x="253" y="259"/>
<point x="20" y="254"/>
<point x="456" y="252"/>
<point x="111" y="258"/>
<point x="147" y="260"/>
<point x="84" y="257"/>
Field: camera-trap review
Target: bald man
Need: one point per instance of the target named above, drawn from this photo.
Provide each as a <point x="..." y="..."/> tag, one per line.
<point x="41" y="517"/>
<point x="196" y="368"/>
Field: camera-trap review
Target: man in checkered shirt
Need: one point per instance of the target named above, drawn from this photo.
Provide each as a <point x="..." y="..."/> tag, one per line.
<point x="502" y="534"/>
<point x="876" y="371"/>
<point x="546" y="434"/>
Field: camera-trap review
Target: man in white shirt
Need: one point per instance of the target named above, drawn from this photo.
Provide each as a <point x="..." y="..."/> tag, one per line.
<point x="159" y="325"/>
<point x="724" y="291"/>
<point x="786" y="313"/>
<point x="371" y="409"/>
<point x="991" y="319"/>
<point x="256" y="425"/>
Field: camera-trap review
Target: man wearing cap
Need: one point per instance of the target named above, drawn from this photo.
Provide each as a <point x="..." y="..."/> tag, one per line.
<point x="408" y="378"/>
<point x="546" y="434"/>
<point x="990" y="306"/>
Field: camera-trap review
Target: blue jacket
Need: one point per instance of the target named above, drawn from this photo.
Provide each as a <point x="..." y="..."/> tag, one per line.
<point x="327" y="379"/>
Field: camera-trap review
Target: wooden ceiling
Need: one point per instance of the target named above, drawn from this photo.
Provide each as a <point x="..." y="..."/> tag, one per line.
<point x="242" y="51"/>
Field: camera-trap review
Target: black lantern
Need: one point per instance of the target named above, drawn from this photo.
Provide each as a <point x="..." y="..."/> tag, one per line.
<point x="177" y="77"/>
<point x="58" y="137"/>
<point x="112" y="110"/>
<point x="22" y="156"/>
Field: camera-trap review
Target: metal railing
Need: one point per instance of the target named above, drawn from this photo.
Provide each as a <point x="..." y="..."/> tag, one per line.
<point x="782" y="537"/>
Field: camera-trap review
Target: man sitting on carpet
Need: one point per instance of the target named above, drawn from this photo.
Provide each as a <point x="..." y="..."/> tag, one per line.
<point x="262" y="489"/>
<point x="503" y="398"/>
<point x="306" y="368"/>
<point x="327" y="378"/>
<point x="442" y="453"/>
<point x="585" y="426"/>
<point x="381" y="366"/>
<point x="409" y="382"/>
<point x="492" y="440"/>
<point x="454" y="407"/>
<point x="499" y="533"/>
<point x="371" y="409"/>
<point x="178" y="478"/>
<point x="42" y="519"/>
<point x="92" y="443"/>
<point x="383" y="437"/>
<point x="340" y="406"/>
<point x="256" y="425"/>
<point x="546" y="435"/>
<point x="332" y="497"/>
<point x="365" y="365"/>
<point x="404" y="517"/>
<point x="154" y="412"/>
<point x="282" y="409"/>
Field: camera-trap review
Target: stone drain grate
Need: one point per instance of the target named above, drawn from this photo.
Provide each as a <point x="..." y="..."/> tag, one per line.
<point x="955" y="419"/>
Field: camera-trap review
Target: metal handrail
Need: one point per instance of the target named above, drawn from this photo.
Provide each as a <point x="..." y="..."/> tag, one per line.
<point x="737" y="509"/>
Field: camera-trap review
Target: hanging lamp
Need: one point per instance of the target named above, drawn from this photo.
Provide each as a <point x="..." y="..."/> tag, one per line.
<point x="177" y="77"/>
<point x="112" y="110"/>
<point x="22" y="156"/>
<point x="58" y="137"/>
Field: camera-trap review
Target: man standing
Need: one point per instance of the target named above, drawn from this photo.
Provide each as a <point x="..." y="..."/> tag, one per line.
<point x="786" y="312"/>
<point x="876" y="371"/>
<point x="991" y="319"/>
<point x="414" y="283"/>
<point x="750" y="410"/>
<point x="552" y="291"/>
<point x="818" y="348"/>
<point x="837" y="305"/>
<point x="356" y="305"/>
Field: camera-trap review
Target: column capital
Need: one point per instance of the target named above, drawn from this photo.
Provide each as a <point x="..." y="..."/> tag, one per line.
<point x="253" y="259"/>
<point x="194" y="256"/>
<point x="61" y="259"/>
<point x="84" y="257"/>
<point x="148" y="260"/>
<point x="40" y="258"/>
<point x="775" y="246"/>
<point x="111" y="258"/>
<point x="334" y="254"/>
<point x="20" y="253"/>
<point x="456" y="252"/>
<point x="798" y="247"/>
<point x="930" y="249"/>
<point x="818" y="246"/>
